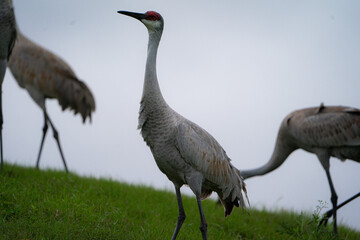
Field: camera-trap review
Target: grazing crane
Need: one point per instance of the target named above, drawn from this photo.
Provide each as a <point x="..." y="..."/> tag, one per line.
<point x="7" y="41"/>
<point x="45" y="75"/>
<point x="325" y="131"/>
<point x="183" y="151"/>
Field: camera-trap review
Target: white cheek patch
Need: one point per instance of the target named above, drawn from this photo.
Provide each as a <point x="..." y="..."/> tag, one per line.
<point x="151" y="25"/>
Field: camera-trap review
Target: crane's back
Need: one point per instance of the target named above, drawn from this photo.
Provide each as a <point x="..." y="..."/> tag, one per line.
<point x="335" y="129"/>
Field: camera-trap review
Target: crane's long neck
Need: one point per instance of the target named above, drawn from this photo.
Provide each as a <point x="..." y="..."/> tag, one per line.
<point x="6" y="11"/>
<point x="151" y="89"/>
<point x="5" y="4"/>
<point x="7" y="28"/>
<point x="281" y="152"/>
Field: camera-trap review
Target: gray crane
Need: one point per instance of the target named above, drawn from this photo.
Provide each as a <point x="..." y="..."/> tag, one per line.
<point x="326" y="131"/>
<point x="183" y="151"/>
<point x="45" y="75"/>
<point x="7" y="41"/>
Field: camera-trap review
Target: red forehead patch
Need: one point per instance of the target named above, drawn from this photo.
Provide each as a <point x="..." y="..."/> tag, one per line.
<point x="153" y="16"/>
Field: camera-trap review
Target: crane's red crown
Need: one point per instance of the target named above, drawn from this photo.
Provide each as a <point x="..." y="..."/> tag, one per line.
<point x="152" y="15"/>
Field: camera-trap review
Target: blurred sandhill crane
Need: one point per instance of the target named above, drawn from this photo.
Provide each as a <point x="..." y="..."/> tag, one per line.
<point x="7" y="41"/>
<point x="183" y="151"/>
<point x="332" y="131"/>
<point x="45" y="75"/>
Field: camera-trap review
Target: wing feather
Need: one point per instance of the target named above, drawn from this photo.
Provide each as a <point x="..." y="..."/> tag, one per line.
<point x="333" y="127"/>
<point x="199" y="149"/>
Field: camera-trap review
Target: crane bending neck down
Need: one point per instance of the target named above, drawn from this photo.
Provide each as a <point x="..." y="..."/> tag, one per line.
<point x="331" y="131"/>
<point x="281" y="152"/>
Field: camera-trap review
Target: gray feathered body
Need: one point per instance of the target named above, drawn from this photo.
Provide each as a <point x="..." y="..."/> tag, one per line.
<point x="183" y="151"/>
<point x="45" y="75"/>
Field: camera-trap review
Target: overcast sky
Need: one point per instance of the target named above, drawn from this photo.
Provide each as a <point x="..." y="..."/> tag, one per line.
<point x="236" y="68"/>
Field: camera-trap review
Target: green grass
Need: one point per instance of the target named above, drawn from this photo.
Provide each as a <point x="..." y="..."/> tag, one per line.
<point x="54" y="205"/>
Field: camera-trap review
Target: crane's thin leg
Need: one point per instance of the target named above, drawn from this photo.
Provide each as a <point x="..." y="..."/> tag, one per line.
<point x="334" y="198"/>
<point x="324" y="158"/>
<point x="56" y="136"/>
<point x="203" y="226"/>
<point x="2" y="75"/>
<point x="195" y="181"/>
<point x="45" y="128"/>
<point x="329" y="213"/>
<point x="1" y="127"/>
<point x="181" y="217"/>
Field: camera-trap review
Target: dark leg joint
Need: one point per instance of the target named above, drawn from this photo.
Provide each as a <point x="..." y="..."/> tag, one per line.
<point x="203" y="227"/>
<point x="45" y="128"/>
<point x="334" y="199"/>
<point x="181" y="218"/>
<point x="56" y="134"/>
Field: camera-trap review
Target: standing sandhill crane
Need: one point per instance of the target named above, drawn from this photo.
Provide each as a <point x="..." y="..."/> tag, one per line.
<point x="7" y="41"/>
<point x="183" y="151"/>
<point x="45" y="75"/>
<point x="325" y="131"/>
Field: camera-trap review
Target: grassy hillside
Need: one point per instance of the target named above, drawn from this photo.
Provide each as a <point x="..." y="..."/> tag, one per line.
<point x="54" y="205"/>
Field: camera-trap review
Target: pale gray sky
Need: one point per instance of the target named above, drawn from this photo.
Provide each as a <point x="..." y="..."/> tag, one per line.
<point x="235" y="68"/>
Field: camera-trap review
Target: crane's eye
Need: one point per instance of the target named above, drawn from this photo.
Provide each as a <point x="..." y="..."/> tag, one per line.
<point x="152" y="16"/>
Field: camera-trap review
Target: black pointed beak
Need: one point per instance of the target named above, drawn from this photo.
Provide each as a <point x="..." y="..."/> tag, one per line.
<point x="138" y="16"/>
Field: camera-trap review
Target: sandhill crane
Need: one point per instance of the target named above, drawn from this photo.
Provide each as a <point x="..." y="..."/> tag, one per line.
<point x="7" y="41"/>
<point x="45" y="75"/>
<point x="183" y="151"/>
<point x="332" y="131"/>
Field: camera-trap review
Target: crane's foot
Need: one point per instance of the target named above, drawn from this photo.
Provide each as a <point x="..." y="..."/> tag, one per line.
<point x="324" y="220"/>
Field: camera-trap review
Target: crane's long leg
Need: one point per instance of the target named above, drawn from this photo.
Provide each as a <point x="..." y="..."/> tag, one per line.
<point x="181" y="217"/>
<point x="56" y="136"/>
<point x="329" y="213"/>
<point x="45" y="128"/>
<point x="203" y="226"/>
<point x="324" y="158"/>
<point x="334" y="198"/>
<point x="2" y="75"/>
<point x="195" y="181"/>
<point x="1" y="127"/>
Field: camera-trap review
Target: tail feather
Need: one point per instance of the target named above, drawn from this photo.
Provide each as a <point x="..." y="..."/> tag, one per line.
<point x="243" y="188"/>
<point x="76" y="95"/>
<point x="228" y="206"/>
<point x="235" y="198"/>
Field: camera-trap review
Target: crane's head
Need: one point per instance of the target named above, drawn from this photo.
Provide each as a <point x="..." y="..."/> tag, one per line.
<point x="152" y="20"/>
